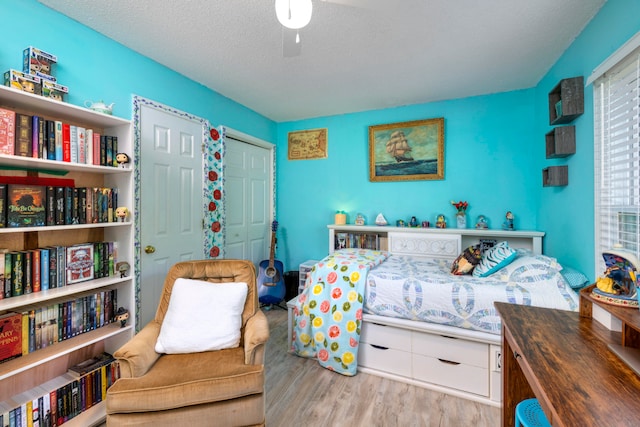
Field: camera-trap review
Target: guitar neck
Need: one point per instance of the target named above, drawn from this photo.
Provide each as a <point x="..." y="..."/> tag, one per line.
<point x="273" y="249"/>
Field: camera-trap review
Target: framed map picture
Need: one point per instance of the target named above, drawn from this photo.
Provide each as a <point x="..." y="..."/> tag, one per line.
<point x="407" y="151"/>
<point x="308" y="144"/>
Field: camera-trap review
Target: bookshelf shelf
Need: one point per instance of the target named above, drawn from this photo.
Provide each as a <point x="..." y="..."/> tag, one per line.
<point x="51" y="295"/>
<point x="39" y="357"/>
<point x="34" y="369"/>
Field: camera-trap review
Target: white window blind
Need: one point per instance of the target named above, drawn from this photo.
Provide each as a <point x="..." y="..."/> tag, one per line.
<point x="617" y="158"/>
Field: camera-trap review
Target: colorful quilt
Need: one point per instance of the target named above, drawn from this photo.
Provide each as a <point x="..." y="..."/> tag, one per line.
<point x="328" y="313"/>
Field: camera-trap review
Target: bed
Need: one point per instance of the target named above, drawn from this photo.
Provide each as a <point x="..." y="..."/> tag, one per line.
<point x="418" y="323"/>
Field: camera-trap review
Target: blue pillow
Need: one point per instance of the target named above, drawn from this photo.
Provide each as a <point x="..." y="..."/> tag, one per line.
<point x="494" y="259"/>
<point x="576" y="279"/>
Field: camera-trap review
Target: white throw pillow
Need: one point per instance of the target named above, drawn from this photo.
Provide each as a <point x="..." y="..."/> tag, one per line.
<point x="202" y="316"/>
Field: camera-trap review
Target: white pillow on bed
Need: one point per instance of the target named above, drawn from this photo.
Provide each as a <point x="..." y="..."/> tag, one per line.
<point x="495" y="258"/>
<point x="202" y="316"/>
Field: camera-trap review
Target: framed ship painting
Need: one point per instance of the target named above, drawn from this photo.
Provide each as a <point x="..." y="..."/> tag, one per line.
<point x="407" y="151"/>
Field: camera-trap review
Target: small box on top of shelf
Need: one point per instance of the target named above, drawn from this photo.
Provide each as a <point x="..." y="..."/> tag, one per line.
<point x="54" y="90"/>
<point x="23" y="81"/>
<point x="36" y="61"/>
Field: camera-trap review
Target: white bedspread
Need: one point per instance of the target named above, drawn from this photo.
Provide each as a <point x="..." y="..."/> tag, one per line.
<point x="424" y="289"/>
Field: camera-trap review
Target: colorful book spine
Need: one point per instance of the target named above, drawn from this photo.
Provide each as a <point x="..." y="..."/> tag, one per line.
<point x="7" y="131"/>
<point x="73" y="138"/>
<point x="66" y="142"/>
<point x="58" y="141"/>
<point x="24" y="135"/>
<point x="44" y="268"/>
<point x="82" y="148"/>
<point x="89" y="146"/>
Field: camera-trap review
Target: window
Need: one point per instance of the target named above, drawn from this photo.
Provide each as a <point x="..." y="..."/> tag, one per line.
<point x="617" y="157"/>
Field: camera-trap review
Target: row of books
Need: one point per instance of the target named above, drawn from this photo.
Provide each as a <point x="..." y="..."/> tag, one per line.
<point x="357" y="240"/>
<point x="59" y="400"/>
<point x="35" y="136"/>
<point x="36" y="270"/>
<point x="37" y="206"/>
<point x="38" y="327"/>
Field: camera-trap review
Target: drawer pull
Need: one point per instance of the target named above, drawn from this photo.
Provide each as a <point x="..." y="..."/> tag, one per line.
<point x="378" y="324"/>
<point x="379" y="347"/>
<point x="449" y="362"/>
<point x="450" y="337"/>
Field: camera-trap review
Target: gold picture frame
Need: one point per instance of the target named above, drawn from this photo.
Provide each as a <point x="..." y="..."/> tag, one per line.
<point x="307" y="144"/>
<point x="407" y="151"/>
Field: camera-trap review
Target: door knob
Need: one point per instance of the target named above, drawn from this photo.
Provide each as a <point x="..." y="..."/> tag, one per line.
<point x="149" y="249"/>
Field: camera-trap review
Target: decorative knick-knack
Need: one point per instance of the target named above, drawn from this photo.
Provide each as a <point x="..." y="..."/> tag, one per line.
<point x="508" y="222"/>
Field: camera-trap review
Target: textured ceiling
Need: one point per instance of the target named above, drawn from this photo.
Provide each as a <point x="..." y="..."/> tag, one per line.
<point x="353" y="59"/>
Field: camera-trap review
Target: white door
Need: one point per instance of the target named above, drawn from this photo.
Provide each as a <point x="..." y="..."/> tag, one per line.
<point x="248" y="200"/>
<point x="171" y="188"/>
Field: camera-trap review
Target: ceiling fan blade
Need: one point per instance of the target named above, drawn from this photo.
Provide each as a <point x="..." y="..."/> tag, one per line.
<point x="291" y="44"/>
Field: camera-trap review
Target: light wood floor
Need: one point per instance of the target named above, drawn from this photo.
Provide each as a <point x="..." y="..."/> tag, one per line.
<point x="301" y="393"/>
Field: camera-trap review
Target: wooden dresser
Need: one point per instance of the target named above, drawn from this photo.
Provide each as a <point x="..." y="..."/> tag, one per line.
<point x="563" y="359"/>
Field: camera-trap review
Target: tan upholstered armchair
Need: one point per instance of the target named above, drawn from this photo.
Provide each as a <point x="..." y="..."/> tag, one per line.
<point x="222" y="387"/>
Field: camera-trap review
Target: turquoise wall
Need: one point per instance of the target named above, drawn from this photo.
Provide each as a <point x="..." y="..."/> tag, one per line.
<point x="97" y="68"/>
<point x="489" y="143"/>
<point x="494" y="144"/>
<point x="567" y="213"/>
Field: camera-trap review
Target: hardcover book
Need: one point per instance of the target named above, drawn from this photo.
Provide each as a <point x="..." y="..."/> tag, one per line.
<point x="23" y="135"/>
<point x="58" y="141"/>
<point x="10" y="336"/>
<point x="26" y="205"/>
<point x="7" y="131"/>
<point x="3" y="205"/>
<point x="79" y="263"/>
<point x="66" y="142"/>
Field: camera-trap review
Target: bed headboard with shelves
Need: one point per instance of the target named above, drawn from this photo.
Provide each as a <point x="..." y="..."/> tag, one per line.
<point x="427" y="242"/>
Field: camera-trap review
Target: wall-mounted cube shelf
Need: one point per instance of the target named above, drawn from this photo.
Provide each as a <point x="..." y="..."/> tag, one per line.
<point x="561" y="142"/>
<point x="566" y="100"/>
<point x="555" y="176"/>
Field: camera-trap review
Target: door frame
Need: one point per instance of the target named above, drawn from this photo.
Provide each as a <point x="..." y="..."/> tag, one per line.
<point x="227" y="132"/>
<point x="138" y="102"/>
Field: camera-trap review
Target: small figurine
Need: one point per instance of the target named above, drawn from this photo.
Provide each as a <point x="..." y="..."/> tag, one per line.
<point x="122" y="315"/>
<point x="381" y="220"/>
<point x="123" y="267"/>
<point x="413" y="222"/>
<point x="399" y="223"/>
<point x="508" y="223"/>
<point x="481" y="224"/>
<point x="426" y="224"/>
<point x="122" y="212"/>
<point x="441" y="222"/>
<point x="360" y="219"/>
<point x="122" y="159"/>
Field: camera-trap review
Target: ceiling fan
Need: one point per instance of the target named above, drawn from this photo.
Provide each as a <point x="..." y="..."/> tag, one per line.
<point x="296" y="14"/>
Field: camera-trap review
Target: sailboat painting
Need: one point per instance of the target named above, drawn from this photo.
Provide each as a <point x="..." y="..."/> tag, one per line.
<point x="407" y="151"/>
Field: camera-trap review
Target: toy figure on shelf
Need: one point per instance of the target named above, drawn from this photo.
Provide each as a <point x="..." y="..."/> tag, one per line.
<point x="121" y="316"/>
<point x="123" y="267"/>
<point x="441" y="222"/>
<point x="413" y="222"/>
<point x="122" y="213"/>
<point x="360" y="219"/>
<point x="481" y="224"/>
<point x="508" y="223"/>
<point x="122" y="159"/>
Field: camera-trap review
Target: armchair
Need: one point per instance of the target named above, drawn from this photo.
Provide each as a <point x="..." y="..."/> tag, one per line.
<point x="221" y="387"/>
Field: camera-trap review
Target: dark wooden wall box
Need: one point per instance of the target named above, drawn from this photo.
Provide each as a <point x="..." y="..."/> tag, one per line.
<point x="570" y="93"/>
<point x="555" y="176"/>
<point x="561" y="142"/>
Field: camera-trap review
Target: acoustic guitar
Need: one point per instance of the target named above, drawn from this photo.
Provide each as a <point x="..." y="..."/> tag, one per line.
<point x="271" y="288"/>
